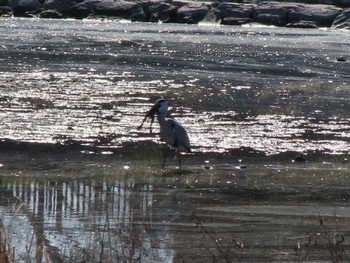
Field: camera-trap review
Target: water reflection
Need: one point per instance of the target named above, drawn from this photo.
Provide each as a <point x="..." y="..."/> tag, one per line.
<point x="100" y="209"/>
<point x="89" y="219"/>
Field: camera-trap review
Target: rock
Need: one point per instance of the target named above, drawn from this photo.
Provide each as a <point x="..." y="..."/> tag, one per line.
<point x="160" y="11"/>
<point x="180" y="3"/>
<point x="20" y="7"/>
<point x="33" y="13"/>
<point x="50" y="14"/>
<point x="191" y="13"/>
<point x="320" y="15"/>
<point x="294" y="14"/>
<point x="62" y="6"/>
<point x="302" y="24"/>
<point x="343" y="20"/>
<point x="234" y="14"/>
<point x="83" y="9"/>
<point x="280" y="13"/>
<point x="3" y="2"/>
<point x="341" y="59"/>
<point x="236" y="21"/>
<point x="6" y="11"/>
<point x="120" y="8"/>
<point x="273" y="13"/>
<point x="234" y="10"/>
<point x="342" y="3"/>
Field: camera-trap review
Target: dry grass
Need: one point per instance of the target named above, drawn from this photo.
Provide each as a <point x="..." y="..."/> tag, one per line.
<point x="223" y="249"/>
<point x="8" y="253"/>
<point x="331" y="239"/>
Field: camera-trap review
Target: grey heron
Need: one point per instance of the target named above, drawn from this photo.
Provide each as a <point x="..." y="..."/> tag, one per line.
<point x="171" y="132"/>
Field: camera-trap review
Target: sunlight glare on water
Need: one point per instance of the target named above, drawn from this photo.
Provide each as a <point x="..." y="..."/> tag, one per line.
<point x="228" y="92"/>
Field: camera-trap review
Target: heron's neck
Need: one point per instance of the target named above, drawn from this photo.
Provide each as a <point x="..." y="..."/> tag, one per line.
<point x="161" y="118"/>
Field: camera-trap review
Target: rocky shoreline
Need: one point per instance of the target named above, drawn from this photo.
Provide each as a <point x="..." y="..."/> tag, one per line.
<point x="324" y="13"/>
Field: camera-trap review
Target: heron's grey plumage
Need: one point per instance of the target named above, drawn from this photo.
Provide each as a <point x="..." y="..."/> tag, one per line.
<point x="171" y="132"/>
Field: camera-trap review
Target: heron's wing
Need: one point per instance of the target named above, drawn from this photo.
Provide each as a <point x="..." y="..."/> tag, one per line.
<point x="181" y="139"/>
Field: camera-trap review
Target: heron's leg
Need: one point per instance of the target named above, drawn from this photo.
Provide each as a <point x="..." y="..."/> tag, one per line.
<point x="165" y="153"/>
<point x="179" y="156"/>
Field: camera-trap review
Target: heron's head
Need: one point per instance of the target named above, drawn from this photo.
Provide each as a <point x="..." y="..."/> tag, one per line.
<point x="160" y="107"/>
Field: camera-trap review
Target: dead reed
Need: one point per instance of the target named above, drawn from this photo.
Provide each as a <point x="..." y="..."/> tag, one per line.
<point x="223" y="249"/>
<point x="331" y="239"/>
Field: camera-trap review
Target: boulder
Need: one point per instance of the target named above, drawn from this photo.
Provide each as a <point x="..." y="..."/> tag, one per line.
<point x="62" y="6"/>
<point x="234" y="10"/>
<point x="50" y="14"/>
<point x="233" y="13"/>
<point x="302" y="24"/>
<point x="20" y="7"/>
<point x="83" y="9"/>
<point x="236" y="21"/>
<point x="180" y="3"/>
<point x="160" y="11"/>
<point x="311" y="2"/>
<point x="119" y="8"/>
<point x="6" y="11"/>
<point x="320" y="15"/>
<point x="343" y="20"/>
<point x="273" y="13"/>
<point x="342" y="3"/>
<point x="191" y="13"/>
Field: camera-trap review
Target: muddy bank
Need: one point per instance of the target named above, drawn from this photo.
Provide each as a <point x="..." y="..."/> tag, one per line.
<point x="291" y="14"/>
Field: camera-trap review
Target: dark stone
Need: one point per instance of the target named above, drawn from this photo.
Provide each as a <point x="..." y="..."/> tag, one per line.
<point x="236" y="21"/>
<point x="341" y="59"/>
<point x="180" y="3"/>
<point x="20" y="7"/>
<point x="50" y="14"/>
<point x="191" y="13"/>
<point x="80" y="12"/>
<point x="342" y="3"/>
<point x="342" y="20"/>
<point x="160" y="11"/>
<point x="119" y="8"/>
<point x="33" y="13"/>
<point x="279" y="13"/>
<point x="62" y="6"/>
<point x="83" y="9"/>
<point x="300" y="158"/>
<point x="233" y="10"/>
<point x="320" y="15"/>
<point x="302" y="24"/>
<point x="273" y="13"/>
<point x="6" y="11"/>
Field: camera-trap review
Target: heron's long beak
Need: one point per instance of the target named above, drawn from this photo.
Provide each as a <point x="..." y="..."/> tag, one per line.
<point x="150" y="114"/>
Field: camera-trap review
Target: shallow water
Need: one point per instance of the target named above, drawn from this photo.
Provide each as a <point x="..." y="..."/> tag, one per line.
<point x="80" y="181"/>
<point x="269" y="89"/>
<point x="113" y="209"/>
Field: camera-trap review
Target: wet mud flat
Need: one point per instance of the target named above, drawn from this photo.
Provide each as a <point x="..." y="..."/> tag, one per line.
<point x="90" y="207"/>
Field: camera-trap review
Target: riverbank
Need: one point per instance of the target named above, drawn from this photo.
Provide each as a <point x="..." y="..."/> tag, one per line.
<point x="333" y="13"/>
